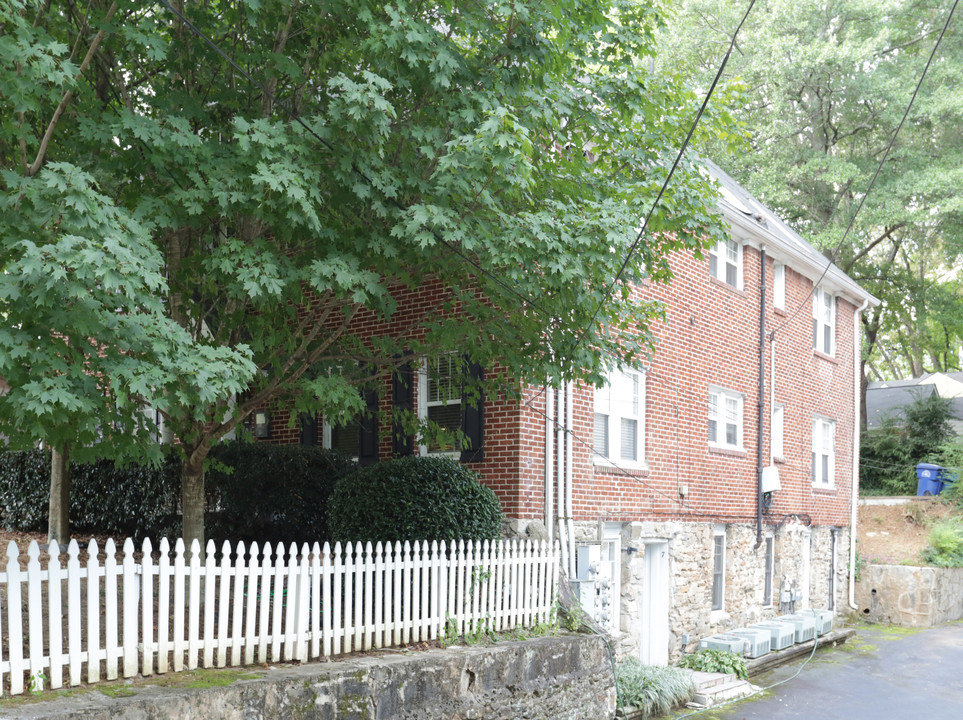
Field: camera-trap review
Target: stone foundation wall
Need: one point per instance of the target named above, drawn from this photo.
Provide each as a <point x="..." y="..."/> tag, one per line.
<point x="566" y="678"/>
<point x="910" y="596"/>
<point x="690" y="576"/>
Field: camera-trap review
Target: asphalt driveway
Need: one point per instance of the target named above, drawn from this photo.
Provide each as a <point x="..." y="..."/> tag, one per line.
<point x="881" y="674"/>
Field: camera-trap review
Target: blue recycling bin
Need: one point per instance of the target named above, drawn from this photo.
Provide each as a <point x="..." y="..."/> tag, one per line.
<point x="928" y="481"/>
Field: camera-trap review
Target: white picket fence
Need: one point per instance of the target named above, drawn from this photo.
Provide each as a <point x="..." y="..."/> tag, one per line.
<point x="98" y="621"/>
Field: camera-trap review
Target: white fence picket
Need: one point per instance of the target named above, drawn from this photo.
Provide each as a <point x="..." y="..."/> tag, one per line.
<point x="272" y="604"/>
<point x="93" y="612"/>
<point x="14" y="619"/>
<point x="55" y="627"/>
<point x="210" y="595"/>
<point x="35" y="616"/>
<point x="131" y="608"/>
<point x="147" y="609"/>
<point x="237" y="613"/>
<point x="74" y="614"/>
<point x="223" y="607"/>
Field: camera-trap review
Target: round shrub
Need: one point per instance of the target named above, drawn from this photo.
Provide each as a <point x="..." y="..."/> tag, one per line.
<point x="413" y="499"/>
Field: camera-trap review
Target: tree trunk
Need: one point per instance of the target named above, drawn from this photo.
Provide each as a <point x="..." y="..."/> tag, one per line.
<point x="192" y="499"/>
<point x="58" y="511"/>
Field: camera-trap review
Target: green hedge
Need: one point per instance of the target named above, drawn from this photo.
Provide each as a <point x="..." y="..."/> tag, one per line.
<point x="255" y="491"/>
<point x="273" y="493"/>
<point x="134" y="500"/>
<point x="414" y="499"/>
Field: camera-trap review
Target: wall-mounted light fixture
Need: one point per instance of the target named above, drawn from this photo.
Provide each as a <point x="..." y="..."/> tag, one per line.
<point x="261" y="424"/>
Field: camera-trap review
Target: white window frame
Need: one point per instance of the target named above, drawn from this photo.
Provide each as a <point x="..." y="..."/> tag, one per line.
<point x="615" y="403"/>
<point x="718" y="585"/>
<point x="424" y="403"/>
<point x="779" y="286"/>
<point x="824" y="453"/>
<point x="326" y="429"/>
<point x="722" y="255"/>
<point x="721" y="404"/>
<point x="824" y="322"/>
<point x="612" y="557"/>
<point x="777" y="433"/>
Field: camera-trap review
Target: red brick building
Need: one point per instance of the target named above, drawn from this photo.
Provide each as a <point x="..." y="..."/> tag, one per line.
<point x="653" y="483"/>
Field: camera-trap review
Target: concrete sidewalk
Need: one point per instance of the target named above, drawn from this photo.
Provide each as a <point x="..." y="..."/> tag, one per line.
<point x="881" y="674"/>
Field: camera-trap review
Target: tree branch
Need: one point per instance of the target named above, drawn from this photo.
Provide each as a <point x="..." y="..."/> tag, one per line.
<point x="44" y="144"/>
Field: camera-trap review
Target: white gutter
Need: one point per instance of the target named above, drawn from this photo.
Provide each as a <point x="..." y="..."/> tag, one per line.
<point x="560" y="476"/>
<point x="549" y="467"/>
<point x="857" y="386"/>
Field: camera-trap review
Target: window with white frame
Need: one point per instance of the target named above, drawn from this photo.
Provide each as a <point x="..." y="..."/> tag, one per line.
<point x="824" y="322"/>
<point x="778" y="432"/>
<point x="725" y="262"/>
<point x="343" y="433"/>
<point x="725" y="419"/>
<point x="440" y="398"/>
<point x="824" y="452"/>
<point x="718" y="567"/>
<point x="779" y="286"/>
<point x="769" y="570"/>
<point x="620" y="419"/>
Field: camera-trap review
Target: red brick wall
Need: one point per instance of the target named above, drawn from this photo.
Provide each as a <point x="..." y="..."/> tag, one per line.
<point x="710" y="337"/>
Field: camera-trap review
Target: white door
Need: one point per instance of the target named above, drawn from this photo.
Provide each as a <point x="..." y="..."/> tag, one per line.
<point x="655" y="604"/>
<point x="805" y="561"/>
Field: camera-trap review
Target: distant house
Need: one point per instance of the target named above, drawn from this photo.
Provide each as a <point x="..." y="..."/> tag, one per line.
<point x="653" y="483"/>
<point x="887" y="398"/>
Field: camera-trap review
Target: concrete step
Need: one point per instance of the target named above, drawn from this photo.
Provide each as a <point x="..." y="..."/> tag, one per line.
<point x="709" y="679"/>
<point x="719" y="693"/>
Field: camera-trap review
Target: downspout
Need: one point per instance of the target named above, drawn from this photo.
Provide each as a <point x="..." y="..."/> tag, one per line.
<point x="857" y="383"/>
<point x="569" y="474"/>
<point x="549" y="464"/>
<point x="762" y="394"/>
<point x="560" y="478"/>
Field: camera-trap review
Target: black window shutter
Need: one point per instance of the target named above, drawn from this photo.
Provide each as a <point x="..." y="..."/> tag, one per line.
<point x="402" y="398"/>
<point x="309" y="429"/>
<point x="368" y="443"/>
<point x="473" y="417"/>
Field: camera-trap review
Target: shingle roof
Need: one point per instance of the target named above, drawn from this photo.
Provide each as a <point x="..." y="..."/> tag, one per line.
<point x="742" y="209"/>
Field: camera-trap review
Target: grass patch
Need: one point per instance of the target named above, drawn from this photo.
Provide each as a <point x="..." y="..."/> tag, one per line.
<point x="653" y="690"/>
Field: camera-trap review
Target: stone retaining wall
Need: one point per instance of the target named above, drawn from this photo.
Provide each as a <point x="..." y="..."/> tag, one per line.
<point x="910" y="596"/>
<point x="565" y="678"/>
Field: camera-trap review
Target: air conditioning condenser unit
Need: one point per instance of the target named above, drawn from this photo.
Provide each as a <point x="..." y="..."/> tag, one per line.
<point x="805" y="626"/>
<point x="758" y="641"/>
<point x="724" y="641"/>
<point x="781" y="634"/>
<point x="824" y="619"/>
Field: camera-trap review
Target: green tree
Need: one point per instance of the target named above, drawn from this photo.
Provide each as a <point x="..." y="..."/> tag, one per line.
<point x="823" y="91"/>
<point x="504" y="151"/>
<point x="888" y="455"/>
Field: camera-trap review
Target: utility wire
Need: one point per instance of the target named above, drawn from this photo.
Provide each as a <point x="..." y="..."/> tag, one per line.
<point x="675" y="164"/>
<point x="872" y="182"/>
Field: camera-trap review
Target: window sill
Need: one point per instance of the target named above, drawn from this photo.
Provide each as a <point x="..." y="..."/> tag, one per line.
<point x="823" y="356"/>
<point x="824" y="489"/>
<point x="723" y="284"/>
<point x="718" y="616"/>
<point x="782" y="312"/>
<point x="730" y="452"/>
<point x="606" y="468"/>
<point x="779" y="460"/>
